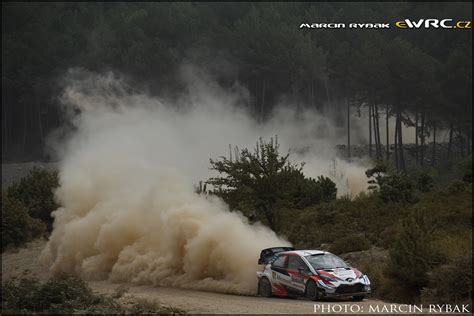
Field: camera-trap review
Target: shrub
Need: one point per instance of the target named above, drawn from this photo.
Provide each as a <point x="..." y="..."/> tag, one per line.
<point x="391" y="185"/>
<point x="412" y="254"/>
<point x="66" y="294"/>
<point x="61" y="295"/>
<point x="17" y="226"/>
<point x="35" y="191"/>
<point x="450" y="283"/>
<point x="374" y="266"/>
<point x="456" y="186"/>
<point x="350" y="243"/>
<point x="465" y="167"/>
<point x="424" y="182"/>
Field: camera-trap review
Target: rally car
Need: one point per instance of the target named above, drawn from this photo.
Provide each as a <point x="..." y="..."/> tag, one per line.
<point x="313" y="274"/>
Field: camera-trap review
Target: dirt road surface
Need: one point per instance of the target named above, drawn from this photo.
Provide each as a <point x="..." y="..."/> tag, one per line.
<point x="25" y="260"/>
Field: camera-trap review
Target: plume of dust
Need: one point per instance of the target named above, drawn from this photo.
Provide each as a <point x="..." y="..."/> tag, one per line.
<point x="129" y="212"/>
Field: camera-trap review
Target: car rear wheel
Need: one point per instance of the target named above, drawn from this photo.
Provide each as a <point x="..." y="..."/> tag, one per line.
<point x="312" y="291"/>
<point x="264" y="287"/>
<point x="358" y="297"/>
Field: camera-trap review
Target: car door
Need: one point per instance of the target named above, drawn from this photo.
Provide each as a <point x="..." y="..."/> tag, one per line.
<point x="297" y="270"/>
<point x="280" y="274"/>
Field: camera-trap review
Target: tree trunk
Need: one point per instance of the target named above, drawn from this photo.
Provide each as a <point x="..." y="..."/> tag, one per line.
<point x="326" y="83"/>
<point x="422" y="139"/>
<point x="5" y="124"/>
<point x="377" y="132"/>
<point x="256" y="99"/>
<point x="416" y="135"/>
<point x="400" y="141"/>
<point x="262" y="104"/>
<point x="40" y="123"/>
<point x="433" y="156"/>
<point x="387" y="131"/>
<point x="395" y="144"/>
<point x="370" y="130"/>
<point x="348" y="129"/>
<point x="450" y="141"/>
<point x="25" y="126"/>
<point x="469" y="144"/>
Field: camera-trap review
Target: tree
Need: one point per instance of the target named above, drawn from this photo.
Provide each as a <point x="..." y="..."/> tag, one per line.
<point x="391" y="185"/>
<point x="17" y="226"/>
<point x="264" y="181"/>
<point x="413" y="255"/>
<point x="35" y="192"/>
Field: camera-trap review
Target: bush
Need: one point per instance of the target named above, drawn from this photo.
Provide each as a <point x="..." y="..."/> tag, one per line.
<point x="456" y="186"/>
<point x="61" y="295"/>
<point x="465" y="167"/>
<point x="412" y="254"/>
<point x="35" y="191"/>
<point x="350" y="243"/>
<point x="450" y="283"/>
<point x="391" y="185"/>
<point x="424" y="182"/>
<point x="17" y="226"/>
<point x="70" y="295"/>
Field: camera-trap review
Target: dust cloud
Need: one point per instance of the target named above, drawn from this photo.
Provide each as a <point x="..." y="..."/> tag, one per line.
<point x="129" y="212"/>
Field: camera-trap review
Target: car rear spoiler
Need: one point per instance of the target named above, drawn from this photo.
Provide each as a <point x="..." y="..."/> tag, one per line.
<point x="269" y="253"/>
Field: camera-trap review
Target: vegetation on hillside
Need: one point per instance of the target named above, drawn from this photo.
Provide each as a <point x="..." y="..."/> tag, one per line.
<point x="36" y="193"/>
<point x="264" y="181"/>
<point x="27" y="206"/>
<point x="421" y="78"/>
<point x="424" y="234"/>
<point x="68" y="295"/>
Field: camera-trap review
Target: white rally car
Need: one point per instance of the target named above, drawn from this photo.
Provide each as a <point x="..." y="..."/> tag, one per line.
<point x="310" y="273"/>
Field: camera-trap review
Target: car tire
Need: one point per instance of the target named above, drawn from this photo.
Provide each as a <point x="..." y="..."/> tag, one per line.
<point x="311" y="291"/>
<point x="264" y="287"/>
<point x="358" y="298"/>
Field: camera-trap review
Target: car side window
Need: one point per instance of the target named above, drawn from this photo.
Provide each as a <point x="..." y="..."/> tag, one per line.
<point x="295" y="262"/>
<point x="279" y="262"/>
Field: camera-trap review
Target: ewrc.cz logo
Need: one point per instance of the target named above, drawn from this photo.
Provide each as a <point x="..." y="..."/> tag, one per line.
<point x="433" y="23"/>
<point x="405" y="24"/>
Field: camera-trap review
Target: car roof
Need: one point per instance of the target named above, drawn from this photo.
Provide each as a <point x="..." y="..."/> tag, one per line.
<point x="304" y="253"/>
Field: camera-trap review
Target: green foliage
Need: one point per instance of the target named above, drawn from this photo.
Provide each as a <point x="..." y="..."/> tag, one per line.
<point x="424" y="182"/>
<point x="450" y="283"/>
<point x="265" y="181"/>
<point x="67" y="294"/>
<point x="419" y="237"/>
<point x="391" y="185"/>
<point x="149" y="41"/>
<point x="35" y="192"/>
<point x="465" y="167"/>
<point x="456" y="186"/>
<point x="17" y="226"/>
<point x="413" y="254"/>
<point x="350" y="243"/>
<point x="62" y="295"/>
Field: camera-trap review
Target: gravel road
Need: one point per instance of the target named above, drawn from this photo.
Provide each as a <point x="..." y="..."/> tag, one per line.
<point x="25" y="260"/>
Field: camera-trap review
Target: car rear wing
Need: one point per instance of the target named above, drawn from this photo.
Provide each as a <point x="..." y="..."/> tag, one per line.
<point x="267" y="254"/>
